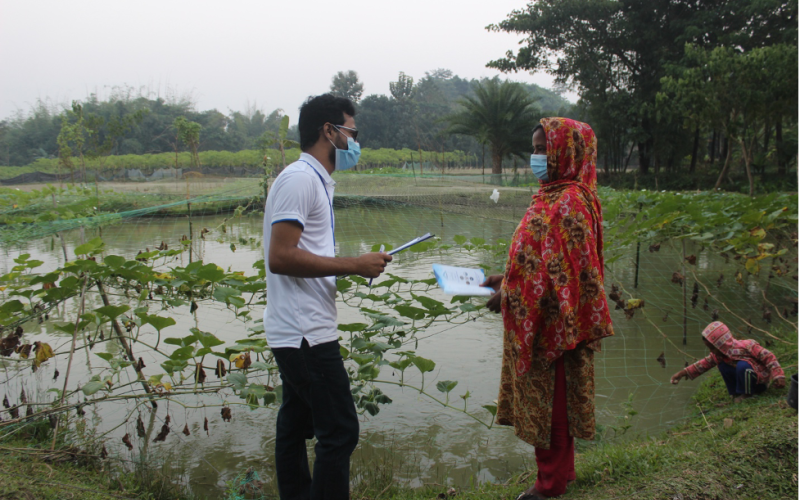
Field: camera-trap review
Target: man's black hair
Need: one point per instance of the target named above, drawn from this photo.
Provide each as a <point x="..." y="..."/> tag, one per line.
<point x="319" y="110"/>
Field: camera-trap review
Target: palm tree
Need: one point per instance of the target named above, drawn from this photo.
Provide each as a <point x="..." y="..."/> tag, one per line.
<point x="500" y="114"/>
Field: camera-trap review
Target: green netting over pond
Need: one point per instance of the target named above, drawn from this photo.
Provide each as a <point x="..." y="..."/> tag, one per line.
<point x="675" y="262"/>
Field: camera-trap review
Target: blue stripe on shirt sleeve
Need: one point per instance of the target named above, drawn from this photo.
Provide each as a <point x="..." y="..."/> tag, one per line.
<point x="290" y="220"/>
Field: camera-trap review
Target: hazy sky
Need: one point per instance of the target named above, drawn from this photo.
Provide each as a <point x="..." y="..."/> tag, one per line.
<point x="228" y="54"/>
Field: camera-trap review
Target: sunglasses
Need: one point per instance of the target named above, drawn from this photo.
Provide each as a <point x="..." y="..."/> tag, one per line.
<point x="353" y="131"/>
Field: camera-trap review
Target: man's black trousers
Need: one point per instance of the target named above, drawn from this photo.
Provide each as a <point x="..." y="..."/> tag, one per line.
<point x="316" y="403"/>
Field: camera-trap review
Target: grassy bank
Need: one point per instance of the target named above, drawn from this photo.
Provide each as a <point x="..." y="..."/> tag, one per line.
<point x="723" y="451"/>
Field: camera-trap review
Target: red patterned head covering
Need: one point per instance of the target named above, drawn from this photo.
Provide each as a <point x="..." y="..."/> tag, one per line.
<point x="720" y="335"/>
<point x="553" y="296"/>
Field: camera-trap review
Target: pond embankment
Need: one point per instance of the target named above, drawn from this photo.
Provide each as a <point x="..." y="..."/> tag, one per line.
<point x="724" y="451"/>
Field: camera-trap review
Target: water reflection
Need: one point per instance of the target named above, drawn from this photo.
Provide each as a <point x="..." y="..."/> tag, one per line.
<point x="417" y="439"/>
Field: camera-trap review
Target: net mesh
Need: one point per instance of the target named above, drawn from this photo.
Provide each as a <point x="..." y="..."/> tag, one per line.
<point x="634" y="365"/>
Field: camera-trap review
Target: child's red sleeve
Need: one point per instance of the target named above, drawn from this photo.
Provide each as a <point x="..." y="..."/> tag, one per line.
<point x="700" y="367"/>
<point x="769" y="360"/>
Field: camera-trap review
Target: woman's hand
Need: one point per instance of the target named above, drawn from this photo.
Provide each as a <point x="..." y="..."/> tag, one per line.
<point x="678" y="376"/>
<point x="779" y="383"/>
<point x="494" y="282"/>
<point x="494" y="302"/>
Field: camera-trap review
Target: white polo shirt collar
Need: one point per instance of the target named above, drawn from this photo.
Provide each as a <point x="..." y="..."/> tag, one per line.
<point x="326" y="177"/>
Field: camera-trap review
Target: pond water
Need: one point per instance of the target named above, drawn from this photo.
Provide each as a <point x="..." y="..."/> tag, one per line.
<point x="417" y="439"/>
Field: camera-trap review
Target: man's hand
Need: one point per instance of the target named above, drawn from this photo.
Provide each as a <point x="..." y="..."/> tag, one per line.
<point x="494" y="282"/>
<point x="285" y="257"/>
<point x="678" y="376"/>
<point x="779" y="383"/>
<point x="371" y="265"/>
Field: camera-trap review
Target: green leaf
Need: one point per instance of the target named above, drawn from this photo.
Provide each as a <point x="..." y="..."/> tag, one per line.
<point x="105" y="355"/>
<point x="90" y="247"/>
<point x="424" y="365"/>
<point x="269" y="398"/>
<point x="460" y="240"/>
<point x="259" y="365"/>
<point x="211" y="272"/>
<point x="207" y="339"/>
<point x="410" y="312"/>
<point x="427" y="302"/>
<point x="491" y="409"/>
<point x="112" y="312"/>
<point x="237" y="380"/>
<point x="224" y="294"/>
<point x="91" y="387"/>
<point x="171" y="366"/>
<point x="182" y="354"/>
<point x="372" y="408"/>
<point x="114" y="261"/>
<point x="446" y="385"/>
<point x="353" y="327"/>
<point x="401" y="364"/>
<point x="158" y="322"/>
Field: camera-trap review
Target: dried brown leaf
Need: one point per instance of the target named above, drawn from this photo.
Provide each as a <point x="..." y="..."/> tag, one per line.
<point x="127" y="440"/>
<point x="163" y="434"/>
<point x="140" y="427"/>
<point x="200" y="374"/>
<point x="186" y="430"/>
<point x="220" y="370"/>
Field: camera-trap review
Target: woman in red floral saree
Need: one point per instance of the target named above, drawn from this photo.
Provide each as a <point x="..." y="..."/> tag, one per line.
<point x="554" y="307"/>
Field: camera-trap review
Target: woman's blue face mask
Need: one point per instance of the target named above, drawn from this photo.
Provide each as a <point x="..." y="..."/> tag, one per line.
<point x="347" y="158"/>
<point x="539" y="167"/>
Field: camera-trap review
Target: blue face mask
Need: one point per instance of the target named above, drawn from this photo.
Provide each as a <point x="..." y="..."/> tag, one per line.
<point x="347" y="158"/>
<point x="539" y="167"/>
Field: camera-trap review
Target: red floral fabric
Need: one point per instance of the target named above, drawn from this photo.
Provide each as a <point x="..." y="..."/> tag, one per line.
<point x="764" y="363"/>
<point x="552" y="295"/>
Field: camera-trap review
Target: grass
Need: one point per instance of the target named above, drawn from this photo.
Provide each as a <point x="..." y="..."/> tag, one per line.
<point x="29" y="470"/>
<point x="724" y="451"/>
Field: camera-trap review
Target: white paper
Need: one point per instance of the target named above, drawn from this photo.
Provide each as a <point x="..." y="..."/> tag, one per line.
<point x="461" y="281"/>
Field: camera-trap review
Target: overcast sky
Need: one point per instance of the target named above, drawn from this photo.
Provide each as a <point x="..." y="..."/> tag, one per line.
<point x="228" y="54"/>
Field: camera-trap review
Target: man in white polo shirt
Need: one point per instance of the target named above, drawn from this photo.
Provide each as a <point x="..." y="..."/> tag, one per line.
<point x="300" y="318"/>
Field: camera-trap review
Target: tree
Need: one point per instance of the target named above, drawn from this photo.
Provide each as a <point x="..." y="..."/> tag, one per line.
<point x="346" y="84"/>
<point x="500" y="114"/>
<point x="277" y="139"/>
<point x="189" y="133"/>
<point x="623" y="47"/>
<point x="403" y="88"/>
<point x="736" y="92"/>
<point x="71" y="140"/>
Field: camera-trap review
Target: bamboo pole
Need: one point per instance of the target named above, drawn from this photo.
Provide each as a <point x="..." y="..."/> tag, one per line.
<point x="125" y="345"/>
<point x="69" y="363"/>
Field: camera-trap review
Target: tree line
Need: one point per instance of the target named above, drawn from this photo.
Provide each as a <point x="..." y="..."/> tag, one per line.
<point x="410" y="117"/>
<point x="674" y="83"/>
